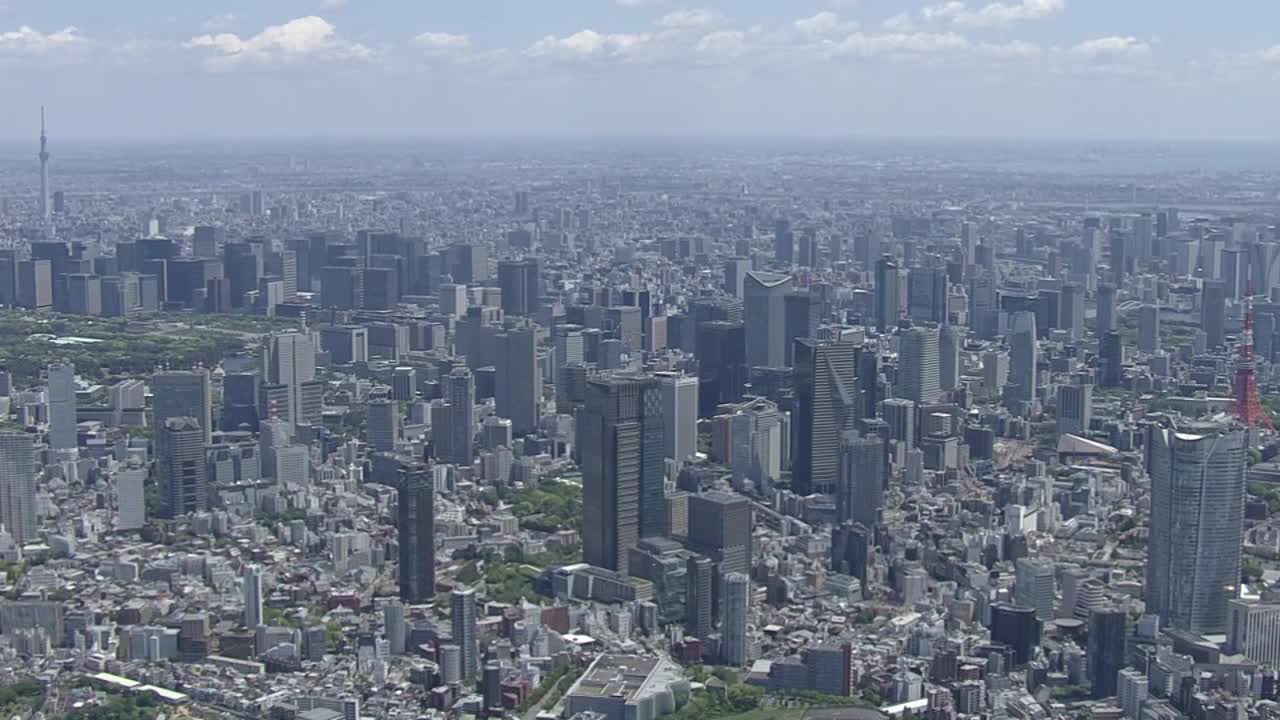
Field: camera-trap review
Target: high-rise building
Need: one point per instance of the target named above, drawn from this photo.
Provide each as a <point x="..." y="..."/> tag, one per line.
<point x="1213" y="312"/>
<point x="1107" y="634"/>
<point x="918" y="366"/>
<point x="1106" y="320"/>
<point x="183" y="394"/>
<point x="1149" y="329"/>
<point x="735" y="646"/>
<point x="1075" y="408"/>
<point x="415" y="525"/>
<point x="860" y="491"/>
<point x="290" y="360"/>
<point x="888" y="294"/>
<point x="520" y="281"/>
<point x="826" y="392"/>
<point x="764" y="307"/>
<point x="251" y="592"/>
<point x="621" y="436"/>
<point x="18" y="486"/>
<point x="62" y="407"/>
<point x="1197" y="481"/>
<point x="1024" y="356"/>
<point x="679" y="416"/>
<point x="181" y="468"/>
<point x="518" y="382"/>
<point x="462" y="605"/>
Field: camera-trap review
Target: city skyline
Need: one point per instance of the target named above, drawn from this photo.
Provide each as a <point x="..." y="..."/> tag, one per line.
<point x="1012" y="68"/>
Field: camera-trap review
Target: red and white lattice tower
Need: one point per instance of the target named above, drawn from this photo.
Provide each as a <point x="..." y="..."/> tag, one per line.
<point x="1248" y="406"/>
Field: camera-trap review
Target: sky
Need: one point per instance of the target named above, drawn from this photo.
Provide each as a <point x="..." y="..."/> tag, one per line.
<point x="190" y="69"/>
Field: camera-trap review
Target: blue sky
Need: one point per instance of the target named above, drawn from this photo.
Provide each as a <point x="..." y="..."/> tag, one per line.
<point x="350" y="68"/>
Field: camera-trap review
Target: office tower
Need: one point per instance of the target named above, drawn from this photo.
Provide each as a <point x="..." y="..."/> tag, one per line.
<point x="1024" y="355"/>
<point x="679" y="416"/>
<point x="46" y="210"/>
<point x="394" y="626"/>
<point x="1107" y="633"/>
<point x="1075" y="409"/>
<point x="950" y="341"/>
<point x="784" y="243"/>
<point x="918" y="366"/>
<point x="722" y="365"/>
<point x="61" y="391"/>
<point x="183" y="394"/>
<point x="850" y="549"/>
<point x="735" y="276"/>
<point x="383" y="424"/>
<point x="900" y="417"/>
<point x="1197" y="481"/>
<point x="35" y="284"/>
<point x="764" y="308"/>
<point x="721" y="530"/>
<point x="1106" y="320"/>
<point x="415" y="527"/>
<point x="888" y="294"/>
<point x="826" y="405"/>
<point x="290" y="360"/>
<point x="128" y="487"/>
<point x="699" y="588"/>
<point x="927" y="290"/>
<point x="1111" y="360"/>
<point x="735" y="649"/>
<point x="454" y="438"/>
<point x="520" y="284"/>
<point x="860" y="490"/>
<point x="462" y="604"/>
<point x="1034" y="586"/>
<point x="620" y="433"/>
<point x="519" y="383"/>
<point x="1133" y="690"/>
<point x="1213" y="312"/>
<point x="1017" y="627"/>
<point x="18" y="486"/>
<point x="1149" y="329"/>
<point x="180" y="467"/>
<point x="251" y="592"/>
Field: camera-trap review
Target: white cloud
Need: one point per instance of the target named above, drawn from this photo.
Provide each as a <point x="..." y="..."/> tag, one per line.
<point x="300" y="39"/>
<point x="690" y="19"/>
<point x="1115" y="47"/>
<point x="28" y="41"/>
<point x="994" y="14"/>
<point x="443" y="43"/>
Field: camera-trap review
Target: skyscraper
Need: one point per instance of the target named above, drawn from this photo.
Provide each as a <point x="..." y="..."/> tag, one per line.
<point x="860" y="492"/>
<point x="62" y="406"/>
<point x="462" y="605"/>
<point x="1197" y="515"/>
<point x="826" y="392"/>
<point x="1024" y="355"/>
<point x="18" y="486"/>
<point x="764" y="307"/>
<point x="46" y="209"/>
<point x="251" y="592"/>
<point x="620" y="431"/>
<point x="735" y="649"/>
<point x="181" y="468"/>
<point x="918" y="366"/>
<point x="415" y="525"/>
<point x="183" y="394"/>
<point x="290" y="360"/>
<point x="888" y="294"/>
<point x="679" y="415"/>
<point x="1149" y="329"/>
<point x="518" y="382"/>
